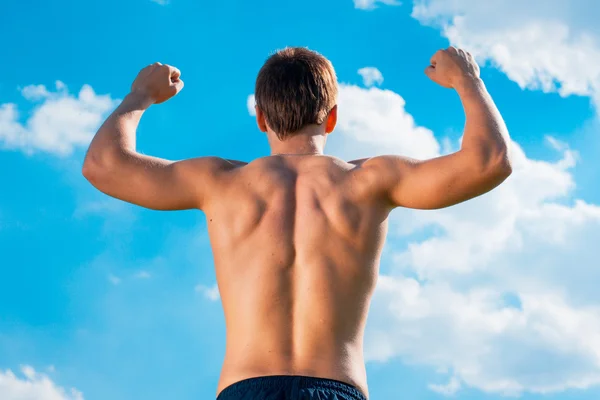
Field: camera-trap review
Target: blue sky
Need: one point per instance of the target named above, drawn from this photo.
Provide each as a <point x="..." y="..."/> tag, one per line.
<point x="492" y="298"/>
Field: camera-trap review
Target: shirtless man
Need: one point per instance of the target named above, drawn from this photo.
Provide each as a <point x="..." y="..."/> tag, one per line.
<point x="297" y="235"/>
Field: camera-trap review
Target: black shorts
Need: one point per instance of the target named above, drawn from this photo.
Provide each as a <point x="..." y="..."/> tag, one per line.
<point x="283" y="387"/>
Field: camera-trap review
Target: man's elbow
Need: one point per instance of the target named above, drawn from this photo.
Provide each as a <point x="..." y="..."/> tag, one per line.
<point x="501" y="167"/>
<point x="96" y="168"/>
<point x="91" y="172"/>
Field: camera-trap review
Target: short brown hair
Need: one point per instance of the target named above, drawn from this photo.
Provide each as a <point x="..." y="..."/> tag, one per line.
<point x="296" y="87"/>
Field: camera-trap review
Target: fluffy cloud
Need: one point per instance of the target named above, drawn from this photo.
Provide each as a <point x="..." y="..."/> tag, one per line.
<point x="33" y="386"/>
<point x="542" y="345"/>
<point x="447" y="390"/>
<point x="59" y="122"/>
<point x="373" y="121"/>
<point x="372" y="4"/>
<point x="371" y="76"/>
<point x="549" y="45"/>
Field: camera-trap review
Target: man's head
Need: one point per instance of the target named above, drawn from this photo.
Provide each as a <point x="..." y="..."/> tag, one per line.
<point x="296" y="88"/>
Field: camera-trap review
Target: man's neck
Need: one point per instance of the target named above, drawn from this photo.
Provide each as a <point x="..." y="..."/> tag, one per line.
<point x="297" y="152"/>
<point x="305" y="143"/>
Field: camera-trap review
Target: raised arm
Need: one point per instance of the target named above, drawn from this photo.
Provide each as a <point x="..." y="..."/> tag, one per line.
<point x="114" y="167"/>
<point x="482" y="162"/>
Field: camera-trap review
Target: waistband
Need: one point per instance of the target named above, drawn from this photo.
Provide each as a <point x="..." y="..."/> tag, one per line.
<point x="299" y="382"/>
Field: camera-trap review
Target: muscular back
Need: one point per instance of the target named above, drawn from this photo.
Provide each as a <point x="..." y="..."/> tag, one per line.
<point x="296" y="243"/>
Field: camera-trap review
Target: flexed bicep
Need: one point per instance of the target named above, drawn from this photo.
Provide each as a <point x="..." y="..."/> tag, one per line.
<point x="436" y="183"/>
<point x="156" y="183"/>
<point x="482" y="163"/>
<point x="114" y="167"/>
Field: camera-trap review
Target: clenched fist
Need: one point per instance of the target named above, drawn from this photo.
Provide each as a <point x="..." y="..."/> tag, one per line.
<point x="451" y="67"/>
<point x="158" y="82"/>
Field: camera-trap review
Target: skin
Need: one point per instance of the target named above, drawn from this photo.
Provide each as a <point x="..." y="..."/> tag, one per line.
<point x="297" y="236"/>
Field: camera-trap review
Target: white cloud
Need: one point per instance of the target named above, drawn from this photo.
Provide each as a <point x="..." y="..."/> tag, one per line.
<point x="448" y="389"/>
<point x="161" y="2"/>
<point x="371" y="76"/>
<point x="37" y="92"/>
<point x="59" y="122"/>
<point x="548" y="45"/>
<point x="546" y="345"/>
<point x="211" y="293"/>
<point x="251" y="103"/>
<point x="374" y="121"/>
<point x="33" y="386"/>
<point x="372" y="4"/>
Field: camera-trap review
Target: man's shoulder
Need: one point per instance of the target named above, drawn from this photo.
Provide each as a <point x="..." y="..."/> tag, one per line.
<point x="206" y="168"/>
<point x="213" y="163"/>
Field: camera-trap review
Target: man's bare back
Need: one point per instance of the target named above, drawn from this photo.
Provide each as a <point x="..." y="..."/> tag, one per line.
<point x="297" y="236"/>
<point x="296" y="263"/>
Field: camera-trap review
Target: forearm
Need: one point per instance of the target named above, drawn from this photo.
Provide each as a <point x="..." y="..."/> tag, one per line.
<point x="117" y="135"/>
<point x="486" y="136"/>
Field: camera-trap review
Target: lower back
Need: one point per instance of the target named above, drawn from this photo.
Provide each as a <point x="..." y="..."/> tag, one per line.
<point x="345" y="366"/>
<point x="304" y="320"/>
<point x="304" y="330"/>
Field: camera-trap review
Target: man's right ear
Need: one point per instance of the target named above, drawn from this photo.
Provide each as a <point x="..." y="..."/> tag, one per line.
<point x="260" y="119"/>
<point x="331" y="120"/>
